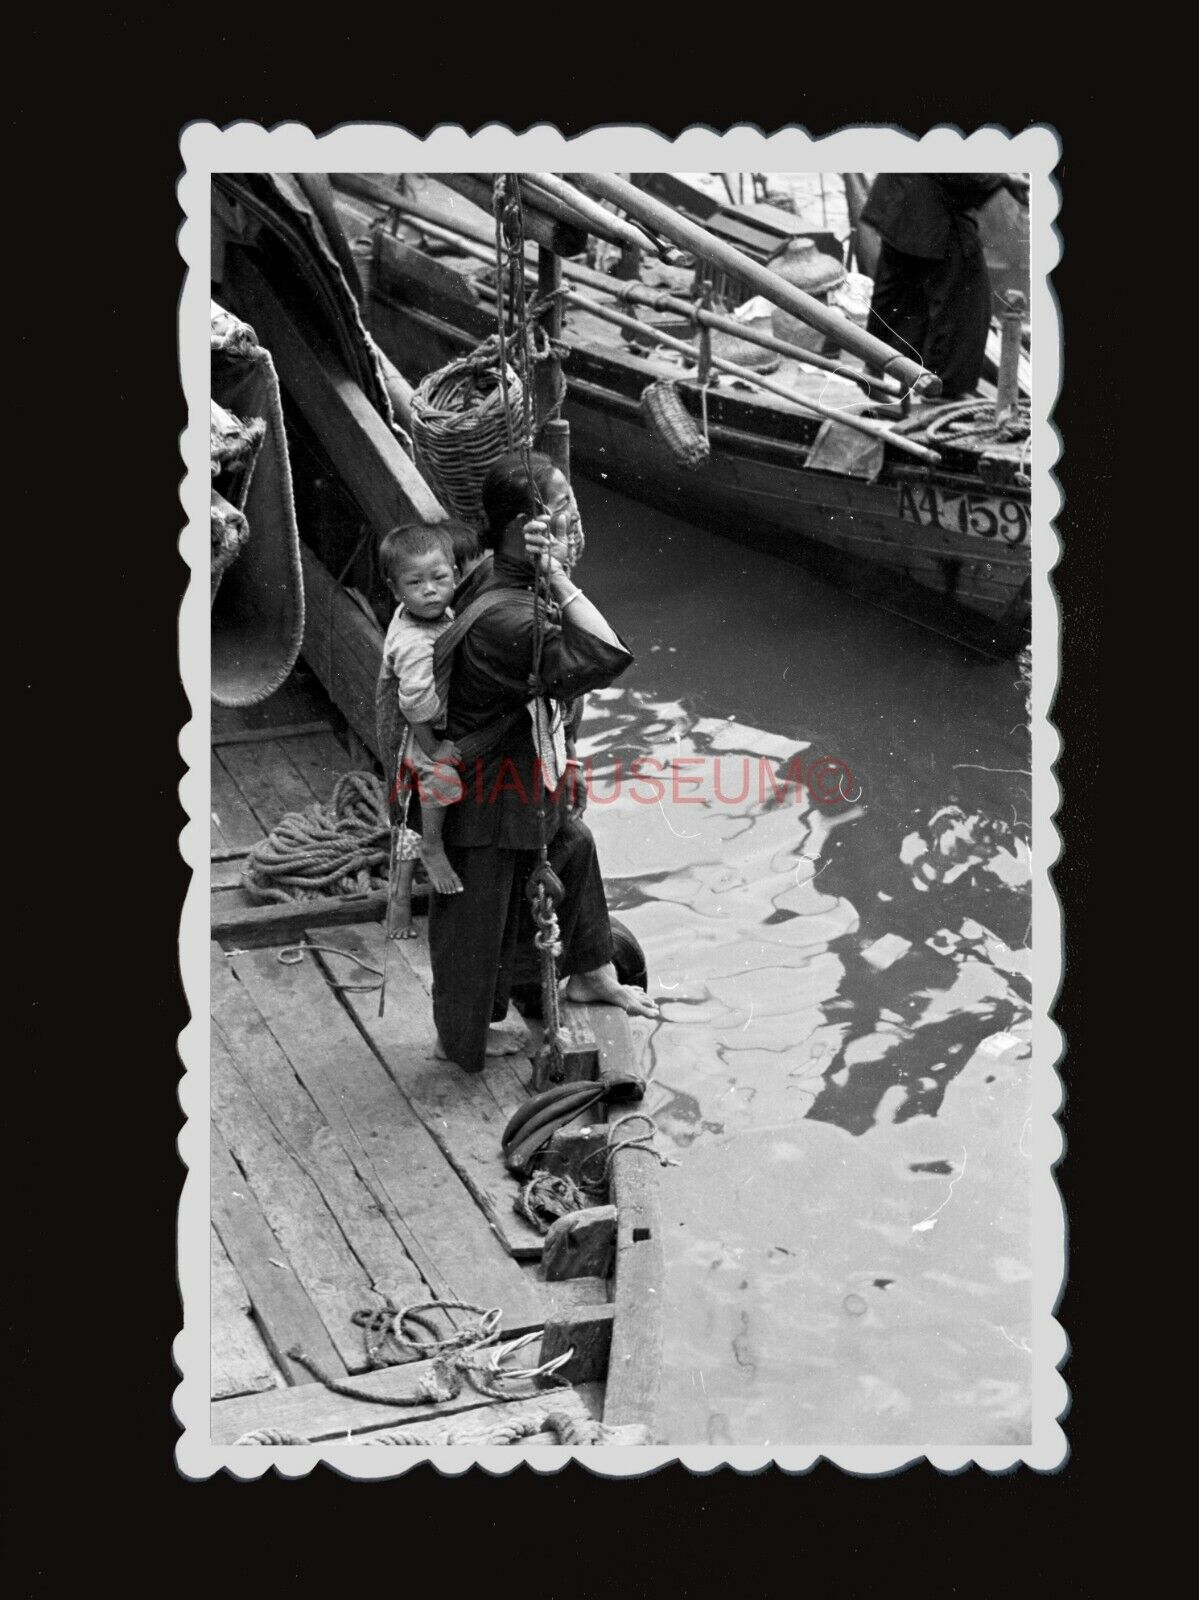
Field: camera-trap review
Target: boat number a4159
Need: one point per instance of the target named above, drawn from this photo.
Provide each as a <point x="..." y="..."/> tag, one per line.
<point x="981" y="516"/>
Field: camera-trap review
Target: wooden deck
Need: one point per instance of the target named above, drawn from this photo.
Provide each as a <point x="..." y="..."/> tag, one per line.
<point x="348" y="1165"/>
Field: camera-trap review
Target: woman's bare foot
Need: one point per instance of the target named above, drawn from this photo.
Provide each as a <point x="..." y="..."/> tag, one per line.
<point x="601" y="987"/>
<point x="437" y="864"/>
<point x="499" y="1043"/>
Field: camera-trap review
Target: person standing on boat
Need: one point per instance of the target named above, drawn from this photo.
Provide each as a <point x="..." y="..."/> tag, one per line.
<point x="480" y="941"/>
<point x="932" y="293"/>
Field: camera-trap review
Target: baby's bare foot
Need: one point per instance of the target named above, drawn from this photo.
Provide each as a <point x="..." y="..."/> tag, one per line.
<point x="441" y="875"/>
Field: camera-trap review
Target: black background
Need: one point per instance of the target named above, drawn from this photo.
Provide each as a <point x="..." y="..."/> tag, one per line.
<point x="98" y="1307"/>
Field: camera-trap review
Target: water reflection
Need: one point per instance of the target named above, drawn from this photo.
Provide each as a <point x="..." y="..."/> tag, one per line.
<point x="843" y="1057"/>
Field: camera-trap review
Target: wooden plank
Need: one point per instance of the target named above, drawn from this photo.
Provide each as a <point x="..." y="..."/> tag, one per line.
<point x="343" y="647"/>
<point x="298" y="1124"/>
<point x="295" y="1209"/>
<point x="284" y="1312"/>
<point x="267" y="779"/>
<point x="251" y="927"/>
<point x="579" y="1404"/>
<point x="226" y="874"/>
<point x="365" y="453"/>
<point x="319" y="1413"/>
<point x="453" y="1245"/>
<point x="240" y="1361"/>
<point x="509" y="1079"/>
<point x="320" y="759"/>
<point x="564" y="1297"/>
<point x="298" y="730"/>
<point x="634" y="1369"/>
<point x="234" y="824"/>
<point x="587" y="1334"/>
<point x="456" y="1107"/>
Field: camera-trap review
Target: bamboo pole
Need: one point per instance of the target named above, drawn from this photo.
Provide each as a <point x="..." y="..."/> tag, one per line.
<point x="866" y="425"/>
<point x="690" y="236"/>
<point x="598" y="221"/>
<point x="455" y="230"/>
<point x="545" y="212"/>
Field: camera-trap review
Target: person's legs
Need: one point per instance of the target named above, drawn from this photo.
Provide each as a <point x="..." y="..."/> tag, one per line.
<point x="468" y="933"/>
<point x="586" y="933"/>
<point x="959" y="297"/>
<point x="899" y="303"/>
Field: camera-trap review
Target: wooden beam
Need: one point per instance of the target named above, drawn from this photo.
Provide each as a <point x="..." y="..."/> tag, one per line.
<point x="634" y="1369"/>
<point x="540" y="228"/>
<point x="364" y="452"/>
<point x="285" y="1314"/>
<point x="254" y="927"/>
<point x="315" y="1412"/>
<point x="296" y="730"/>
<point x="343" y="646"/>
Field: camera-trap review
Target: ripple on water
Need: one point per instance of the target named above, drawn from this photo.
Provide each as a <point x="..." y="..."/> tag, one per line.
<point x="847" y="1237"/>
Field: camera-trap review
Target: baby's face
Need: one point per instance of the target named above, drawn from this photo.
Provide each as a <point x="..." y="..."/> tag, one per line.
<point x="424" y="585"/>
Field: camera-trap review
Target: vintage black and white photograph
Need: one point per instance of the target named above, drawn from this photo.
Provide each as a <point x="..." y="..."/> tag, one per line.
<point x="620" y="980"/>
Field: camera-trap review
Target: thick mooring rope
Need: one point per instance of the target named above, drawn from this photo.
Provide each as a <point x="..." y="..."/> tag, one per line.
<point x="341" y="848"/>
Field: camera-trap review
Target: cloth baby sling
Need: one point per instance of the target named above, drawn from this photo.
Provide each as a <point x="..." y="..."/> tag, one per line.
<point x="394" y="736"/>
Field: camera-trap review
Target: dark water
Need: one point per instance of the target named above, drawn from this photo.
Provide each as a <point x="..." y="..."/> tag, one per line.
<point x="843" y="1066"/>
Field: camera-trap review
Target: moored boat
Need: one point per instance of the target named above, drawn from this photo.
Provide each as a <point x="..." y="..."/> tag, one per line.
<point x="942" y="533"/>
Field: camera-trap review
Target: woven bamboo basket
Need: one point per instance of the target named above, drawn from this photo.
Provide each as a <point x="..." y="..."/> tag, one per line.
<point x="460" y="427"/>
<point x="663" y="408"/>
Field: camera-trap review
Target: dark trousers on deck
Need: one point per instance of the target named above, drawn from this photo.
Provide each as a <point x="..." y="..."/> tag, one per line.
<point x="940" y="308"/>
<point x="481" y="941"/>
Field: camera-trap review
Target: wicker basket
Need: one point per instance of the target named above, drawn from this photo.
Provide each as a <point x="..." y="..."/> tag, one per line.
<point x="664" y="411"/>
<point x="460" y="427"/>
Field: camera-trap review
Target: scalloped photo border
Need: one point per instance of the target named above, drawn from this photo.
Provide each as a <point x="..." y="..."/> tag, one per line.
<point x="362" y="147"/>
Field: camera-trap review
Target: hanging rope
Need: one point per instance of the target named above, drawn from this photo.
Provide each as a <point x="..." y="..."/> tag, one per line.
<point x="544" y="888"/>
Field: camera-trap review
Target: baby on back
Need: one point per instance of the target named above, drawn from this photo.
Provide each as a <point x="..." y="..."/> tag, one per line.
<point x="423" y="564"/>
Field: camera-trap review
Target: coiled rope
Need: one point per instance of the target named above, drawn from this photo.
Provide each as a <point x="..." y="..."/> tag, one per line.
<point x="341" y="848"/>
<point x="548" y="1196"/>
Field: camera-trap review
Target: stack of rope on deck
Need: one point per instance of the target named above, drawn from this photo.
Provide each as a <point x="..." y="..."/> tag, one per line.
<point x="341" y="848"/>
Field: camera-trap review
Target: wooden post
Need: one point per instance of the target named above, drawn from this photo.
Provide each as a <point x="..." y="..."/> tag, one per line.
<point x="554" y="437"/>
<point x="1011" y="320"/>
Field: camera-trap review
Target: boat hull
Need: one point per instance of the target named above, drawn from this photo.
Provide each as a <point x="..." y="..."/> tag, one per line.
<point x="945" y="548"/>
